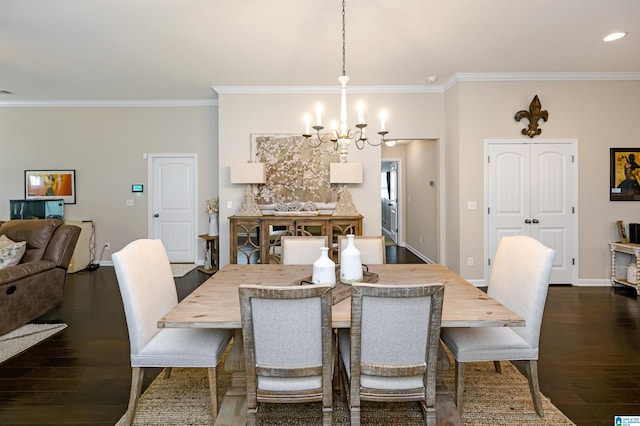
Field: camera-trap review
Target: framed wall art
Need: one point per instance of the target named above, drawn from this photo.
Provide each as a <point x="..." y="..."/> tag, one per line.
<point x="294" y="170"/>
<point x="625" y="174"/>
<point x="50" y="185"/>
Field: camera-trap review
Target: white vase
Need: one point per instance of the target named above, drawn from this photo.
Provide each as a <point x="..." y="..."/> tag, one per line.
<point x="350" y="264"/>
<point x="324" y="269"/>
<point x="213" y="224"/>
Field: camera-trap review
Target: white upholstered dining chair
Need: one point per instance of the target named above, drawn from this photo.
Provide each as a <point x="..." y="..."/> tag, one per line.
<point x="390" y="354"/>
<point x="288" y="346"/>
<point x="148" y="292"/>
<point x="519" y="280"/>
<point x="302" y="249"/>
<point x="372" y="248"/>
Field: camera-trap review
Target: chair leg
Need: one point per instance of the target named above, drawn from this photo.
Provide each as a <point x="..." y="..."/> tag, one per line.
<point x="355" y="416"/>
<point x="459" y="385"/>
<point x="167" y="372"/>
<point x="497" y="366"/>
<point x="137" y="374"/>
<point x="531" y="368"/>
<point x="429" y="413"/>
<point x="327" y="416"/>
<point x="252" y="416"/>
<point x="213" y="390"/>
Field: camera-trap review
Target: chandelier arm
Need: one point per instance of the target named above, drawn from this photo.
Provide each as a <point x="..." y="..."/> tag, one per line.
<point x="344" y="136"/>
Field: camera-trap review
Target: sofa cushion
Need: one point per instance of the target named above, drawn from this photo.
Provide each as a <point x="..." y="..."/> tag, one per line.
<point x="11" y="252"/>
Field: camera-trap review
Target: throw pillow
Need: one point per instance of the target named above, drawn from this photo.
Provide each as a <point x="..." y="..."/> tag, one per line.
<point x="11" y="252"/>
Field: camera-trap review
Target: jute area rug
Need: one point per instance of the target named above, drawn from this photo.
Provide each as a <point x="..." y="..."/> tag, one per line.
<point x="490" y="399"/>
<point x="21" y="339"/>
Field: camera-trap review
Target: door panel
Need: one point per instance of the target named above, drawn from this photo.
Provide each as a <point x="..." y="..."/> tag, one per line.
<point x="173" y="206"/>
<point x="552" y="205"/>
<point x="530" y="192"/>
<point x="509" y="193"/>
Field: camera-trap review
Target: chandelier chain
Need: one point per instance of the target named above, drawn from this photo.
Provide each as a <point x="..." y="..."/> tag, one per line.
<point x="343" y="136"/>
<point x="344" y="42"/>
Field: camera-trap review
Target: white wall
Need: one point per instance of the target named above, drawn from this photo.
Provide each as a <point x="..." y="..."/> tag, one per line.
<point x="600" y="115"/>
<point x="105" y="147"/>
<point x="411" y="116"/>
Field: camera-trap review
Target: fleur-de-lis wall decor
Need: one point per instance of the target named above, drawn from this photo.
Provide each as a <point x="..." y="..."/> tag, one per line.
<point x="534" y="114"/>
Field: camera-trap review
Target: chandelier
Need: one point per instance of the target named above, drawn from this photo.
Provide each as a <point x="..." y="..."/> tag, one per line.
<point x="342" y="136"/>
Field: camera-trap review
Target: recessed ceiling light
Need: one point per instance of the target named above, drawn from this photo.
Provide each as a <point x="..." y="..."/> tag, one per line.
<point x="614" y="36"/>
<point x="390" y="143"/>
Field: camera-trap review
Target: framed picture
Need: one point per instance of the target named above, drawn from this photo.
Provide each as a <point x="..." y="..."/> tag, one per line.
<point x="625" y="174"/>
<point x="50" y="185"/>
<point x="294" y="171"/>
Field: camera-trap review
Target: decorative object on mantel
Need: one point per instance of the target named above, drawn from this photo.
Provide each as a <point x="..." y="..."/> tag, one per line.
<point x="534" y="114"/>
<point x="248" y="173"/>
<point x="345" y="173"/>
<point x="341" y="137"/>
<point x="296" y="208"/>
<point x="293" y="171"/>
<point x="212" y="210"/>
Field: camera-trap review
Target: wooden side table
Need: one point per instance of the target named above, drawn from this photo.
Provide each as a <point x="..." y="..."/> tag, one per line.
<point x="211" y="255"/>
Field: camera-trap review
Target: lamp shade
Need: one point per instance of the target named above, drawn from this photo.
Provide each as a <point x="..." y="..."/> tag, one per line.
<point x="247" y="173"/>
<point x="345" y="173"/>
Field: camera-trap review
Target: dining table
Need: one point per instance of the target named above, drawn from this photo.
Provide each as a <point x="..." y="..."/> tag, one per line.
<point x="215" y="304"/>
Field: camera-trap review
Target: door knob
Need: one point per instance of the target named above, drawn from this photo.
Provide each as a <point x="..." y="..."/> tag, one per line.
<point x="536" y="221"/>
<point x="156" y="215"/>
<point x="527" y="221"/>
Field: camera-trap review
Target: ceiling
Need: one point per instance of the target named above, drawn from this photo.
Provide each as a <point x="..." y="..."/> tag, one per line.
<point x="154" y="50"/>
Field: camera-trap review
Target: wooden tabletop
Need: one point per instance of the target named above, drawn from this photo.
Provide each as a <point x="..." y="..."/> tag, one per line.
<point x="215" y="303"/>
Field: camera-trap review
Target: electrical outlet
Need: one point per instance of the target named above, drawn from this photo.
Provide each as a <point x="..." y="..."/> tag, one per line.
<point x="107" y="246"/>
<point x="470" y="261"/>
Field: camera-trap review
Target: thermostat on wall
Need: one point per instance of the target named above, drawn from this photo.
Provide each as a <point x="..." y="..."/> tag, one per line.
<point x="137" y="187"/>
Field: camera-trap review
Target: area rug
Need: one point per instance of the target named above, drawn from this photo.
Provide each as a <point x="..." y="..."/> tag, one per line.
<point x="490" y="399"/>
<point x="23" y="338"/>
<point x="182" y="269"/>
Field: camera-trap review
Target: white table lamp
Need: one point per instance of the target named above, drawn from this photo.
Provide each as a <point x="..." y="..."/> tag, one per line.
<point x="345" y="173"/>
<point x="248" y="173"/>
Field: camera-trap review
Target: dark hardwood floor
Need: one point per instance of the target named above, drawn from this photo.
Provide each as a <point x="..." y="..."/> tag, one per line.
<point x="589" y="358"/>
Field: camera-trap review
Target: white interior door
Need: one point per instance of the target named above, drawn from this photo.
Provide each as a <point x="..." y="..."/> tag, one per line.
<point x="172" y="204"/>
<point x="531" y="192"/>
<point x="393" y="202"/>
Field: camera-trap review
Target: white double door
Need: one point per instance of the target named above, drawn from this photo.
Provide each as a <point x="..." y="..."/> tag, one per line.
<point x="531" y="191"/>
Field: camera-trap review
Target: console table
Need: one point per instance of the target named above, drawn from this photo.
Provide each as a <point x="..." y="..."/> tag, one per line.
<point x="633" y="254"/>
<point x="256" y="239"/>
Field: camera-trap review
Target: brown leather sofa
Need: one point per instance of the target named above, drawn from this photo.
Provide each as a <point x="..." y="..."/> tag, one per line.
<point x="35" y="285"/>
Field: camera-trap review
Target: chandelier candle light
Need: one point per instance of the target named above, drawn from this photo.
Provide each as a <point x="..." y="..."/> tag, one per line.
<point x="342" y="137"/>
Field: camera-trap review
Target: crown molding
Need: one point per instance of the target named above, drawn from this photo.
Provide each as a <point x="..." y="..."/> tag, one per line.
<point x="302" y="90"/>
<point x="539" y="76"/>
<point x="113" y="103"/>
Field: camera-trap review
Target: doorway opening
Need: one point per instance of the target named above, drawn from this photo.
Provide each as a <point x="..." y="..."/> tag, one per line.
<point x="409" y="196"/>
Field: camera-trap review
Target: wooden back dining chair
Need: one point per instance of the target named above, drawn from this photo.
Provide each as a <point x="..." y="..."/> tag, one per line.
<point x="148" y="292"/>
<point x="372" y="248"/>
<point x="519" y="280"/>
<point x="390" y="353"/>
<point x="302" y="249"/>
<point x="288" y="346"/>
